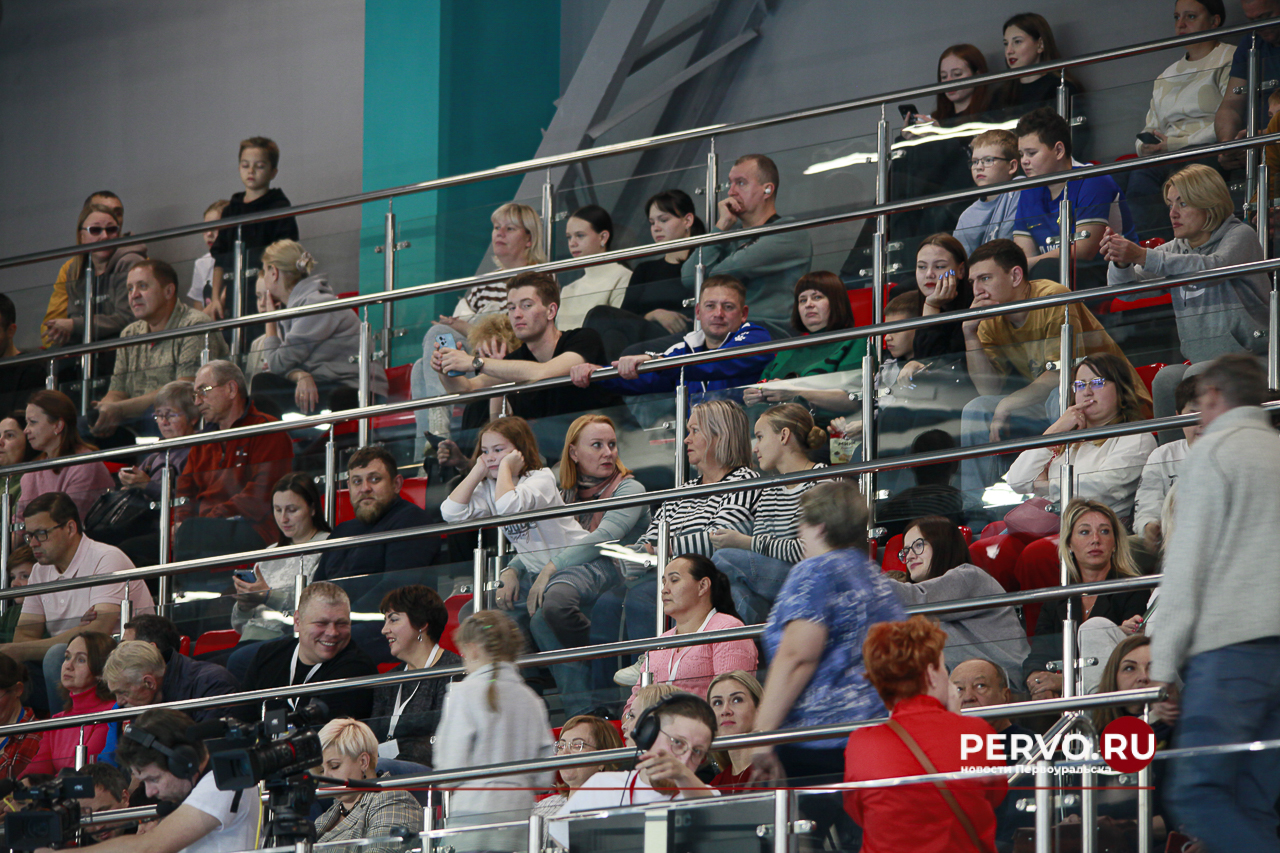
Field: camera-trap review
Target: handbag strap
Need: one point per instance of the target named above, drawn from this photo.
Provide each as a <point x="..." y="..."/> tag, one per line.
<point x="950" y="798"/>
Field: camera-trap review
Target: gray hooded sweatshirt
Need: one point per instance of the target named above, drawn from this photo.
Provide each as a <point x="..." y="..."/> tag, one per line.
<point x="320" y="344"/>
<point x="1213" y="318"/>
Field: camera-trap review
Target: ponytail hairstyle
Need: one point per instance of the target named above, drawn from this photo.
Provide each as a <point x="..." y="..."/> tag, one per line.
<point x="799" y="420"/>
<point x="294" y="262"/>
<point x="495" y="634"/>
<point x="701" y="568"/>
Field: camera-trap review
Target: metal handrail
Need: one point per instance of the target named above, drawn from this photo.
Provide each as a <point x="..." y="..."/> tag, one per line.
<point x="540" y="659"/>
<point x="709" y="239"/>
<point x="1207" y="277"/>
<point x="539" y="163"/>
<point x="603" y="505"/>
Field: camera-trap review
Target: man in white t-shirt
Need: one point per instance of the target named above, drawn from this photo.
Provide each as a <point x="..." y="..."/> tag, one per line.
<point x="62" y="551"/>
<point x="664" y="772"/>
<point x="174" y="768"/>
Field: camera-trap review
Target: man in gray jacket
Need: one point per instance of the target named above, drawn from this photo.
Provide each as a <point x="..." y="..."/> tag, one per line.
<point x="1219" y="613"/>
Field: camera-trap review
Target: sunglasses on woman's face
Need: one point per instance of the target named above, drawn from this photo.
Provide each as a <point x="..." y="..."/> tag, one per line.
<point x="99" y="230"/>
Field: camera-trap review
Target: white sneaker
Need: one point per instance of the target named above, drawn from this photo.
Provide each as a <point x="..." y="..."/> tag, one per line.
<point x="629" y="676"/>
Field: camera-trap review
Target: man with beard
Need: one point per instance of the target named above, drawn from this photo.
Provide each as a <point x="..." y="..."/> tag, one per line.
<point x="374" y="482"/>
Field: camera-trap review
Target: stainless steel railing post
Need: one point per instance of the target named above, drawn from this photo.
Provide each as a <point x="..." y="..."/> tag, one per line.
<point x="86" y="360"/>
<point x="479" y="562"/>
<point x="1065" y="233"/>
<point x="1146" y="796"/>
<point x="783" y="809"/>
<point x="331" y="478"/>
<point x="389" y="248"/>
<point x="663" y="553"/>
<point x="548" y="212"/>
<point x="235" y="309"/>
<point x="536" y="824"/>
<point x="164" y="589"/>
<point x="1252" y="190"/>
<point x="6" y="542"/>
<point x="879" y="264"/>
<point x="365" y="365"/>
<point x="681" y="468"/>
<point x="1044" y="808"/>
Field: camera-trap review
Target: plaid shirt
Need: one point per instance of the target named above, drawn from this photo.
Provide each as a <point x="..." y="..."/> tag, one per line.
<point x="16" y="751"/>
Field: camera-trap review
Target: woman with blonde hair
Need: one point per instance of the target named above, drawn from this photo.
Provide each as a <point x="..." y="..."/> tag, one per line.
<point x="718" y="445"/>
<point x="1214" y="318"/>
<point x="491" y="717"/>
<point x="582" y="733"/>
<point x="351" y="752"/>
<point x="735" y="697"/>
<point x="572" y="578"/>
<point x="1095" y="548"/>
<point x="307" y="361"/>
<point x="785" y="439"/>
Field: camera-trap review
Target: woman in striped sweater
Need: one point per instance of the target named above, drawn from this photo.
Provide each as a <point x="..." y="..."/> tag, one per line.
<point x="757" y="563"/>
<point x="719" y="447"/>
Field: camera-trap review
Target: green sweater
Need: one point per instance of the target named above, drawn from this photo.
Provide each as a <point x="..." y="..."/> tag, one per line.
<point x="814" y="361"/>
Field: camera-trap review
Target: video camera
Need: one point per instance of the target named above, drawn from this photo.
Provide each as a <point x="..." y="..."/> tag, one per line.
<point x="53" y="817"/>
<point x="277" y="752"/>
<point x="284" y="744"/>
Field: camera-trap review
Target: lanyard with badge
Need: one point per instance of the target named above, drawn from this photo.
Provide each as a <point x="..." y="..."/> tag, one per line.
<point x="293" y="676"/>
<point x="390" y="748"/>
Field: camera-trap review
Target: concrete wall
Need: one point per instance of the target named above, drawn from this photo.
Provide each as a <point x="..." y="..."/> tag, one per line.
<point x="150" y="98"/>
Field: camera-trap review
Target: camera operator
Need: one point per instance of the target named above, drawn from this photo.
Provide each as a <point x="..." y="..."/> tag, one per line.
<point x="110" y="792"/>
<point x="173" y="767"/>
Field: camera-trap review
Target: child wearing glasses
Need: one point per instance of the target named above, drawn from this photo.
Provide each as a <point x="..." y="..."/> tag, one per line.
<point x="993" y="160"/>
<point x="666" y="770"/>
<point x="99" y="220"/>
<point x="1105" y="392"/>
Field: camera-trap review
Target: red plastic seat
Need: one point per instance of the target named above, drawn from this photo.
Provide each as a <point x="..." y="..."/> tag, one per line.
<point x="998" y="555"/>
<point x="184" y="646"/>
<point x="1037" y="568"/>
<point x="891" y="563"/>
<point x="387" y="666"/>
<point x="862" y="301"/>
<point x="216" y="641"/>
<point x="454" y="605"/>
<point x="1148" y="373"/>
<point x="398" y="383"/>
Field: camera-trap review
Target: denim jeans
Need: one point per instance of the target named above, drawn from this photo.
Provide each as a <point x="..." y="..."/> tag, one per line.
<point x="625" y="612"/>
<point x="980" y="473"/>
<point x="562" y="623"/>
<point x="754" y="581"/>
<point x="1232" y="695"/>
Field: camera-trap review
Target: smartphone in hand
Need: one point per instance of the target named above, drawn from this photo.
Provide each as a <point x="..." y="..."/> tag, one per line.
<point x="1149" y="138"/>
<point x="446" y="341"/>
<point x="246" y="575"/>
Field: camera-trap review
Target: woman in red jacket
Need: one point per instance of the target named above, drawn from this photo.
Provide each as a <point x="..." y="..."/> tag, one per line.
<point x="86" y="693"/>
<point x="904" y="664"/>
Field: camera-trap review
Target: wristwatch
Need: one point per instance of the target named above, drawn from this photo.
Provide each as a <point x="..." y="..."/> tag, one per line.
<point x="477" y="364"/>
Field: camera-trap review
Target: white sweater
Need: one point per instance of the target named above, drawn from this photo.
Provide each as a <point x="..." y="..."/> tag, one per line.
<point x="537" y="489"/>
<point x="1157" y="478"/>
<point x="1108" y="473"/>
<point x="602" y="285"/>
<point x="1185" y="97"/>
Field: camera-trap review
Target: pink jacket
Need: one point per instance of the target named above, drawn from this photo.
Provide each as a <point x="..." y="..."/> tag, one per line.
<point x="58" y="748"/>
<point x="695" y="666"/>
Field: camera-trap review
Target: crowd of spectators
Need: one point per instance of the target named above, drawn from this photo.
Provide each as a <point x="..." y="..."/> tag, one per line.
<point x="795" y="557"/>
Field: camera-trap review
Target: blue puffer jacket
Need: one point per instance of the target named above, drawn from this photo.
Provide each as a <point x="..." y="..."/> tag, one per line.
<point x="707" y="377"/>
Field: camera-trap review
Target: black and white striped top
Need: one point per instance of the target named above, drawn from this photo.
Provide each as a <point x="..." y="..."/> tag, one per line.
<point x="777" y="521"/>
<point x="692" y="518"/>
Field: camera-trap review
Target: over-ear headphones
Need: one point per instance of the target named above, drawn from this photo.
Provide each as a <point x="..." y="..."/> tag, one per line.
<point x="182" y="760"/>
<point x="648" y="726"/>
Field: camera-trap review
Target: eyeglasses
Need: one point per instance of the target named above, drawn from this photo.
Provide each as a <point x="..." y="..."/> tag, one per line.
<point x="916" y="547"/>
<point x="99" y="230"/>
<point x="166" y="415"/>
<point x="203" y="390"/>
<point x="988" y="162"/>
<point x="40" y="536"/>
<point x="1096" y="382"/>
<point x="575" y="745"/>
<point x="680" y="747"/>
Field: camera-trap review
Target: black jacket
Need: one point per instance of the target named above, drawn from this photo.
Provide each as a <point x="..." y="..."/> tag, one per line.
<point x="271" y="669"/>
<point x="1046" y="645"/>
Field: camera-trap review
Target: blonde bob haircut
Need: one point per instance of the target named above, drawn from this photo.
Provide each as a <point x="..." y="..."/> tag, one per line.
<point x="730" y="434"/>
<point x="1203" y="188"/>
<point x="568" y="467"/>
<point x="523" y="216"/>
<point x="351" y="738"/>
<point x="294" y="262"/>
<point x="1121" y="559"/>
<point x="131" y="660"/>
